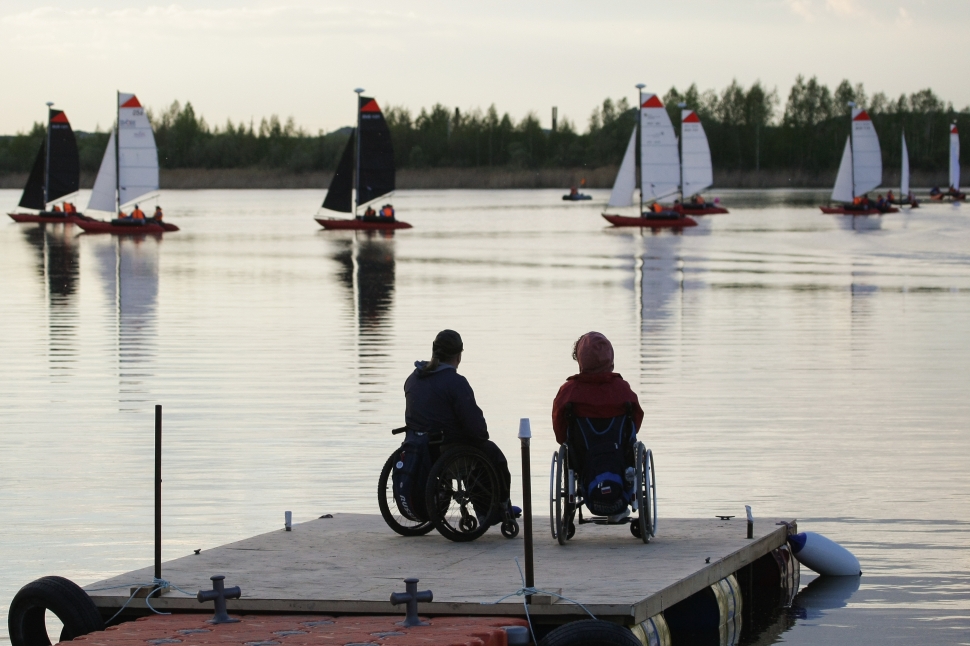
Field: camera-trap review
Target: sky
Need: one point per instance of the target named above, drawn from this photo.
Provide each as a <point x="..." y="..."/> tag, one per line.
<point x="248" y="59"/>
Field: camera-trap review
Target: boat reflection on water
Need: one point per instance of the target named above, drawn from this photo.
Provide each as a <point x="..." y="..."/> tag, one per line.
<point x="824" y="593"/>
<point x="367" y="270"/>
<point x="860" y="223"/>
<point x="129" y="273"/>
<point x="659" y="281"/>
<point x="58" y="268"/>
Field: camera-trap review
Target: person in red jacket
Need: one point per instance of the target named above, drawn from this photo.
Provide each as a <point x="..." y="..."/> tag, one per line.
<point x="596" y="391"/>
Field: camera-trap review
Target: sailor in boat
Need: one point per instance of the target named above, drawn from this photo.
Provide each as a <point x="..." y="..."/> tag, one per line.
<point x="369" y="215"/>
<point x="573" y="191"/>
<point x="157" y="215"/>
<point x="678" y="207"/>
<point x="890" y="198"/>
<point x="69" y="208"/>
<point x="387" y="212"/>
<point x="55" y="209"/>
<point x="138" y="214"/>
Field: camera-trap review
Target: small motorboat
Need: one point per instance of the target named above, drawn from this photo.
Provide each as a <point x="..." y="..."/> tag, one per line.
<point x="365" y="224"/>
<point x="575" y="196"/>
<point x="652" y="220"/>
<point x="126" y="226"/>
<point x="364" y="174"/>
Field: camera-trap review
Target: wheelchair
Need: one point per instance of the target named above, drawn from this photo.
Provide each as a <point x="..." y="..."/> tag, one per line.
<point x="567" y="496"/>
<point x="463" y="497"/>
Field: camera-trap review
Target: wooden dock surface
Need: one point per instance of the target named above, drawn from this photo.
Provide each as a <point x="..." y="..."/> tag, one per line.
<point x="351" y="563"/>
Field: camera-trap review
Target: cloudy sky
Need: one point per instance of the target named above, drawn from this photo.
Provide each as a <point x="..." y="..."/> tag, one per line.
<point x="251" y="58"/>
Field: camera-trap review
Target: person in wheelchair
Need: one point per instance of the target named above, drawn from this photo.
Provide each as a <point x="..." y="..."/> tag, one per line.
<point x="597" y="403"/>
<point x="439" y="400"/>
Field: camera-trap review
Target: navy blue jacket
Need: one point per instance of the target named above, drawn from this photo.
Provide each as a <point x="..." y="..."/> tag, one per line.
<point x="442" y="400"/>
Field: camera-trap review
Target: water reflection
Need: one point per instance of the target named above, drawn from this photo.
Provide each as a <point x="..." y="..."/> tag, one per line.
<point x="659" y="284"/>
<point x="129" y="274"/>
<point x="824" y="593"/>
<point x="367" y="270"/>
<point x="58" y="267"/>
<point x="860" y="223"/>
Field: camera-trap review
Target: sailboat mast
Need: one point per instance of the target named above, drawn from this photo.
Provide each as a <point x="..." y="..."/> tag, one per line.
<point x="680" y="149"/>
<point x="117" y="156"/>
<point x="852" y="148"/>
<point x="47" y="156"/>
<point x="639" y="148"/>
<point x="357" y="155"/>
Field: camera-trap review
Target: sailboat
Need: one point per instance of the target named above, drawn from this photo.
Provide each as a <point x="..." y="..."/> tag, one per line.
<point x="128" y="172"/>
<point x="905" y="198"/>
<point x="659" y="172"/>
<point x="55" y="173"/>
<point x="696" y="169"/>
<point x="954" y="192"/>
<point x="860" y="170"/>
<point x="364" y="174"/>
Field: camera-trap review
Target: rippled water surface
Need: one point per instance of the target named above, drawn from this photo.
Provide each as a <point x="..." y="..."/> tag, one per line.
<point x="814" y="367"/>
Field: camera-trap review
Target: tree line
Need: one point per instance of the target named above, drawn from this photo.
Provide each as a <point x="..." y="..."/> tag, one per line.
<point x="748" y="129"/>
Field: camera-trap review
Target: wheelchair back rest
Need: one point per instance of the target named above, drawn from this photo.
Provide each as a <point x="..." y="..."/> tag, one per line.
<point x="601" y="448"/>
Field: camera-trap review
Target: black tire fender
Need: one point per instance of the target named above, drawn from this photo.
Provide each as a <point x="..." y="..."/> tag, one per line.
<point x="590" y="632"/>
<point x="63" y="597"/>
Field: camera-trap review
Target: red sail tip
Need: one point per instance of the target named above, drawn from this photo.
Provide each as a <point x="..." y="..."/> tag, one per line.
<point x="862" y="116"/>
<point x="59" y="117"/>
<point x="953" y="130"/>
<point x="653" y="102"/>
<point x="131" y="103"/>
<point x="692" y="118"/>
<point x="370" y="106"/>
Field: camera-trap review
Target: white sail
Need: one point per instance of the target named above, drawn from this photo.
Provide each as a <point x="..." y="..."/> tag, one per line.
<point x="698" y="172"/>
<point x="659" y="160"/>
<point x="866" y="154"/>
<point x="954" y="157"/>
<point x="137" y="154"/>
<point x="842" y="192"/>
<point x="626" y="178"/>
<point x="904" y="176"/>
<point x="103" y="194"/>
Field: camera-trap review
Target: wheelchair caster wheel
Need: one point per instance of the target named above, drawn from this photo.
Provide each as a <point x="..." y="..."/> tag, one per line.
<point x="635" y="528"/>
<point x="570" y="530"/>
<point x="510" y="529"/>
<point x="468" y="524"/>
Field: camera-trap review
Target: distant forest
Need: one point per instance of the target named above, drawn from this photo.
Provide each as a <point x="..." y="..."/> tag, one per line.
<point x="747" y="127"/>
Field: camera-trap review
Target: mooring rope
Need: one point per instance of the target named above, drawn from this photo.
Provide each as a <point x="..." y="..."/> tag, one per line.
<point x="525" y="592"/>
<point x="155" y="585"/>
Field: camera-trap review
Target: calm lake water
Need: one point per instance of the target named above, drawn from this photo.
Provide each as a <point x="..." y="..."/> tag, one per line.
<point x="814" y="367"/>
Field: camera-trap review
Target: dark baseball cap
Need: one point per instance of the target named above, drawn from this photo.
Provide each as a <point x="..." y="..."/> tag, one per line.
<point x="447" y="344"/>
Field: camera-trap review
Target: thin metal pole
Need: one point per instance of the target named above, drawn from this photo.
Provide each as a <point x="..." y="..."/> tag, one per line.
<point x="356" y="203"/>
<point x="47" y="157"/>
<point x="638" y="153"/>
<point x="525" y="436"/>
<point x="158" y="491"/>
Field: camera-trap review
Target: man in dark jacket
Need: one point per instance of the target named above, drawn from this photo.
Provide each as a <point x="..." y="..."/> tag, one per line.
<point x="439" y="399"/>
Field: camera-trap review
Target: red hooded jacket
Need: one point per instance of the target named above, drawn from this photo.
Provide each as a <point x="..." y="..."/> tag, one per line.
<point x="593" y="394"/>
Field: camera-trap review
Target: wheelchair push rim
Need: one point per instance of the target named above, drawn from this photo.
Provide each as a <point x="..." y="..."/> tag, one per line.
<point x="389" y="509"/>
<point x="463" y="494"/>
<point x="560" y="511"/>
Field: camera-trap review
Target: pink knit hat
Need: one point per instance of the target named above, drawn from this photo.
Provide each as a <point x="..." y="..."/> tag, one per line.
<point x="594" y="352"/>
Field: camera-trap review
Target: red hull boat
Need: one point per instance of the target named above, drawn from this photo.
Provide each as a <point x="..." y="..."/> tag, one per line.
<point x="659" y="221"/>
<point x="841" y="210"/>
<point x="707" y="209"/>
<point x="149" y="228"/>
<point x="366" y="225"/>
<point x="48" y="217"/>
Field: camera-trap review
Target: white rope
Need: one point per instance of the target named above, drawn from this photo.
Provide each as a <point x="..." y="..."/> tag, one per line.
<point x="526" y="592"/>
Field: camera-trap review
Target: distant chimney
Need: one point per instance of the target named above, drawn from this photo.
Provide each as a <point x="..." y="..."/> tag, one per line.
<point x="555" y="115"/>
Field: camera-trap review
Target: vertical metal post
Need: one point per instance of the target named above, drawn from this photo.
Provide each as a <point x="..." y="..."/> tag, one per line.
<point x="158" y="491"/>
<point x="525" y="436"/>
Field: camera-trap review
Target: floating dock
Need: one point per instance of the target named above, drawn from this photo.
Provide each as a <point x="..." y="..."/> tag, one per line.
<point x="349" y="564"/>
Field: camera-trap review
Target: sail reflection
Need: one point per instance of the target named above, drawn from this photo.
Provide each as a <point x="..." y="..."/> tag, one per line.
<point x="660" y="289"/>
<point x="58" y="263"/>
<point x="367" y="270"/>
<point x="129" y="273"/>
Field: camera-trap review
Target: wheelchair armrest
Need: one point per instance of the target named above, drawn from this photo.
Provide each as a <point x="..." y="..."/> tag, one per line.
<point x="399" y="430"/>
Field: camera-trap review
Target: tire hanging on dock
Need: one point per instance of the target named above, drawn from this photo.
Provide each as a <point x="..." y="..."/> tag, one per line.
<point x="590" y="632"/>
<point x="72" y="605"/>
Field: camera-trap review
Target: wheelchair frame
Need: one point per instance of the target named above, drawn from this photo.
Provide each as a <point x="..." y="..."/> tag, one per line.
<point x="566" y="499"/>
<point x="460" y="477"/>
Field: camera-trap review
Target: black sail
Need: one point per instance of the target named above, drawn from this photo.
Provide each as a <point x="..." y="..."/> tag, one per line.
<point x="340" y="195"/>
<point x="376" y="153"/>
<point x="64" y="170"/>
<point x="33" y="197"/>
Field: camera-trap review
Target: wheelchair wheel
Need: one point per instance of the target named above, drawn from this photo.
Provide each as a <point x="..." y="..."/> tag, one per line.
<point x="389" y="509"/>
<point x="646" y="492"/>
<point x="559" y="516"/>
<point x="510" y="529"/>
<point x="463" y="494"/>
